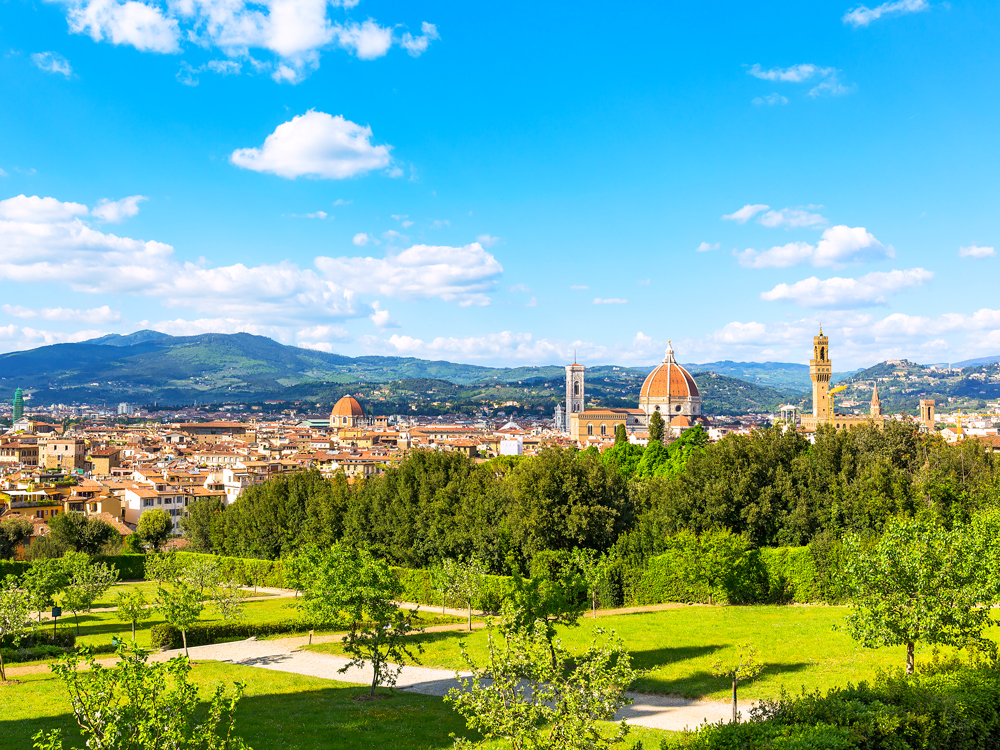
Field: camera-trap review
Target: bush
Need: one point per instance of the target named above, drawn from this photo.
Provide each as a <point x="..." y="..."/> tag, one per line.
<point x="954" y="707"/>
<point x="791" y="575"/>
<point x="129" y="567"/>
<point x="418" y="588"/>
<point x="246" y="571"/>
<point x="14" y="568"/>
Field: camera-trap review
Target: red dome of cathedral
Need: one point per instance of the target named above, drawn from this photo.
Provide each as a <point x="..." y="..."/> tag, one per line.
<point x="348" y="406"/>
<point x="669" y="381"/>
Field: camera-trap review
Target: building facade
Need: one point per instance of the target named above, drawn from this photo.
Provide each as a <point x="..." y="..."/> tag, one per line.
<point x="824" y="410"/>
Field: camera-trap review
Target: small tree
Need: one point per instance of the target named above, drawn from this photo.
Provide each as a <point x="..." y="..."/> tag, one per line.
<point x="656" y="427"/>
<point x="465" y="581"/>
<point x="132" y="607"/>
<point x="15" y="617"/>
<point x="621" y="435"/>
<point x="202" y="573"/>
<point x="536" y="703"/>
<point x="163" y="567"/>
<point x="138" y="705"/>
<point x="154" y="528"/>
<point x="595" y="569"/>
<point x="747" y="668"/>
<point x="14" y="532"/>
<point x="547" y="599"/>
<point x="379" y="628"/>
<point x="440" y="580"/>
<point x="42" y="581"/>
<point x="180" y="606"/>
<point x="88" y="582"/>
<point x="228" y="598"/>
<point x="917" y="583"/>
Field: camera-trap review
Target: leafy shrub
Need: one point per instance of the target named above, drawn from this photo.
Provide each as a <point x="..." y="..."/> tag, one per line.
<point x="167" y="636"/>
<point x="129" y="567"/>
<point x="954" y="707"/>
<point x="12" y="568"/>
<point x="791" y="575"/>
<point x="418" y="588"/>
<point x="246" y="571"/>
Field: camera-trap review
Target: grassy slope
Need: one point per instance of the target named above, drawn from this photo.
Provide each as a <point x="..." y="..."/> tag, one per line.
<point x="279" y="710"/>
<point x="801" y="646"/>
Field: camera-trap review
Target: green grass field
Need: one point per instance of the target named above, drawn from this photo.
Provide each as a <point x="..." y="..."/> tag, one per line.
<point x="148" y="588"/>
<point x="676" y="649"/>
<point x="279" y="710"/>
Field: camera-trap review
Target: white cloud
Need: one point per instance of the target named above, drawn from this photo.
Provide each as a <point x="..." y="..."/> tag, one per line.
<point x="461" y="274"/>
<point x="367" y="40"/>
<point x="974" y="251"/>
<point x="519" y="288"/>
<point x="828" y="79"/>
<point x="487" y="240"/>
<point x="361" y="239"/>
<point x="793" y="74"/>
<point x="35" y="209"/>
<point x="315" y="144"/>
<point x="417" y="45"/>
<point x="52" y="62"/>
<point x="704" y="247"/>
<point x="381" y="318"/>
<point x="610" y="301"/>
<point x="132" y="23"/>
<point x="791" y="217"/>
<point x="746" y="213"/>
<point x="579" y="287"/>
<point x="116" y="212"/>
<point x="103" y="314"/>
<point x="392" y="236"/>
<point x="846" y="293"/>
<point x="770" y="100"/>
<point x="863" y="15"/>
<point x="838" y="246"/>
<point x="342" y="202"/>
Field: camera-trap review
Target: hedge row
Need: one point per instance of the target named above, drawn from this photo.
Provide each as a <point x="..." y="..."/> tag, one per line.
<point x="129" y="567"/>
<point x="946" y="708"/>
<point x="167" y="636"/>
<point x="248" y="571"/>
<point x="418" y="587"/>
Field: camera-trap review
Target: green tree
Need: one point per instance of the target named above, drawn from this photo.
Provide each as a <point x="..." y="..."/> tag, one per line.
<point x="656" y="428"/>
<point x="138" y="705"/>
<point x="14" y="532"/>
<point x="621" y="435"/>
<point x="464" y="581"/>
<point x="550" y="597"/>
<point x="154" y="528"/>
<point x="163" y="567"/>
<point x="917" y="583"/>
<point x="42" y="581"/>
<point x="595" y="569"/>
<point x="534" y="702"/>
<point x="77" y="532"/>
<point x="15" y="617"/>
<point x="180" y="606"/>
<point x="87" y="583"/>
<point x="131" y="607"/>
<point x="197" y="523"/>
<point x="746" y="669"/>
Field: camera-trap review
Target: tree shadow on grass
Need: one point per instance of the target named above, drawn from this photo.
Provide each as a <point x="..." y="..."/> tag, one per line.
<point x="702" y="682"/>
<point x="322" y="719"/>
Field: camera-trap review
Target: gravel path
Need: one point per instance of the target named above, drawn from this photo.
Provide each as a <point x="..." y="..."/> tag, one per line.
<point x="284" y="655"/>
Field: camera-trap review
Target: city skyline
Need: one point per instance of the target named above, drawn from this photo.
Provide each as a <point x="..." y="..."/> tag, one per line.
<point x="379" y="178"/>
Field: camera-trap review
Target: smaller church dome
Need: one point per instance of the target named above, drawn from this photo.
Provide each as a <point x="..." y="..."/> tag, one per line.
<point x="348" y="406"/>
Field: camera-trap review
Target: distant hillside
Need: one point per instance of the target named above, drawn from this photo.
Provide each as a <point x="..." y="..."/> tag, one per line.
<point x="783" y="376"/>
<point x="730" y="396"/>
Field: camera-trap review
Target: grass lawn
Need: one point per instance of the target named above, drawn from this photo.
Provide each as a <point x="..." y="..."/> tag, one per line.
<point x="148" y="588"/>
<point x="676" y="648"/>
<point x="279" y="710"/>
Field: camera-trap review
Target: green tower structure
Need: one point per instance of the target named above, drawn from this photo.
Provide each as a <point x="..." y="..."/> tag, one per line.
<point x="18" y="404"/>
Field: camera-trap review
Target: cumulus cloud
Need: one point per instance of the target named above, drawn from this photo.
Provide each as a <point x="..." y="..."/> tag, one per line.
<point x="316" y="144"/>
<point x="461" y="274"/>
<point x="863" y="15"/>
<point x="746" y="213"/>
<point x="52" y="62"/>
<point x="770" y="100"/>
<point x="838" y="246"/>
<point x="102" y="314"/>
<point x="294" y="32"/>
<point x="16" y="338"/>
<point x="43" y="240"/>
<point x="610" y="301"/>
<point x="381" y="317"/>
<point x="417" y="45"/>
<point x="846" y="293"/>
<point x="116" y="212"/>
<point x="704" y="247"/>
<point x="487" y="240"/>
<point x="975" y="251"/>
<point x="361" y="239"/>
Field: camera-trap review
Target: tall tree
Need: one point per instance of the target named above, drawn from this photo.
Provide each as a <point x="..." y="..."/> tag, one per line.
<point x="198" y="521"/>
<point x="656" y="428"/>
<point x="14" y="532"/>
<point x="77" y="532"/>
<point x="154" y="528"/>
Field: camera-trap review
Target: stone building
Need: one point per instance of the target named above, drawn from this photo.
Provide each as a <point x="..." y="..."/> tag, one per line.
<point x="824" y="411"/>
<point x="348" y="413"/>
<point x="670" y="390"/>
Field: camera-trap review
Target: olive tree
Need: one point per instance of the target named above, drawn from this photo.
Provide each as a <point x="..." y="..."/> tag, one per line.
<point x="180" y="606"/>
<point x="535" y="702"/>
<point x="42" y="581"/>
<point x="747" y="667"/>
<point x="131" y="607"/>
<point x="88" y="582"/>
<point x="15" y="616"/>
<point x="917" y="583"/>
<point x="139" y="705"/>
<point x="595" y="569"/>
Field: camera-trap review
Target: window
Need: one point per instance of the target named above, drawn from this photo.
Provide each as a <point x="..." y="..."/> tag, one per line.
<point x="576" y="389"/>
<point x="678" y="408"/>
<point x="604" y="429"/>
<point x="590" y="429"/>
<point x="657" y="408"/>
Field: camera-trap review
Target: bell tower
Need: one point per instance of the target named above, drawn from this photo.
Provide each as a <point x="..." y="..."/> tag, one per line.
<point x="574" y="390"/>
<point x="820" y="368"/>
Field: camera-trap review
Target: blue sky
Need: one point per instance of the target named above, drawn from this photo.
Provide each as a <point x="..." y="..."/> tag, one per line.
<point x="504" y="184"/>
